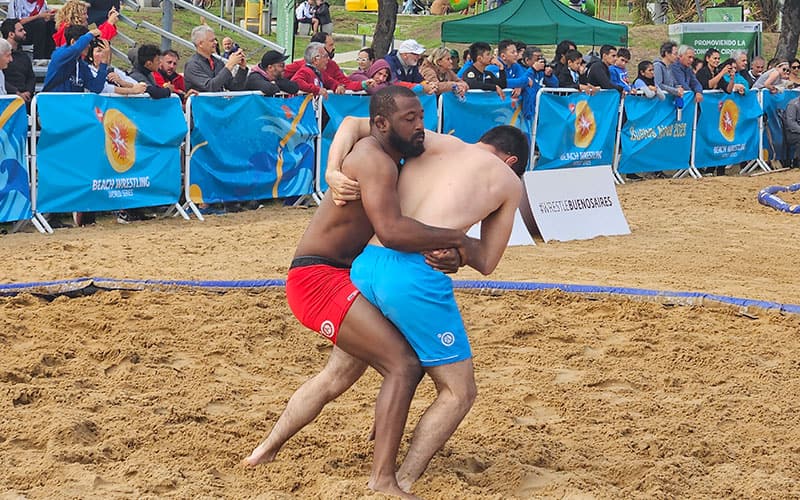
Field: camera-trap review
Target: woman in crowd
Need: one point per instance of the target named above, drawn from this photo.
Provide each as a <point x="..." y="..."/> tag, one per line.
<point x="645" y="81"/>
<point x="711" y="73"/>
<point x="438" y="67"/>
<point x="117" y="82"/>
<point x="775" y="79"/>
<point x="76" y="12"/>
<point x="378" y="76"/>
<point x="794" y="73"/>
<point x="366" y="57"/>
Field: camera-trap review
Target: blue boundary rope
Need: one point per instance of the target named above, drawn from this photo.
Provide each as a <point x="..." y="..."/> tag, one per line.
<point x="76" y="285"/>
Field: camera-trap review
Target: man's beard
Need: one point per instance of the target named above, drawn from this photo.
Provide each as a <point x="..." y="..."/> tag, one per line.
<point x="19" y="39"/>
<point x="407" y="149"/>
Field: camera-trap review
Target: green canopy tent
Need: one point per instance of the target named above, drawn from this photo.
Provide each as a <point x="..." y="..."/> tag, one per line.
<point x="540" y="22"/>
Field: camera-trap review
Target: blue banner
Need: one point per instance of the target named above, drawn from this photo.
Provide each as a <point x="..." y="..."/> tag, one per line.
<point x="15" y="190"/>
<point x="727" y="129"/>
<point x="652" y="138"/>
<point x="251" y="147"/>
<point x="774" y="104"/>
<point x="340" y="106"/>
<point x="576" y="130"/>
<point x="479" y="112"/>
<point x="99" y="152"/>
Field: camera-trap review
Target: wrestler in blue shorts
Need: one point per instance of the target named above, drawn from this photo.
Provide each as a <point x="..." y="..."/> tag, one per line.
<point x="417" y="299"/>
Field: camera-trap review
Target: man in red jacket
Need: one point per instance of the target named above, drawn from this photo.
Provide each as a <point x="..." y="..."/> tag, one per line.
<point x="311" y="78"/>
<point x="332" y="70"/>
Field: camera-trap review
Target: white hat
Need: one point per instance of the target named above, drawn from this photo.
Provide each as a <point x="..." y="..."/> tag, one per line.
<point x="410" y="46"/>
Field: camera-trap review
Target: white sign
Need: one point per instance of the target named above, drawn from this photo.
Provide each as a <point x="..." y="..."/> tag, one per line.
<point x="575" y="203"/>
<point x="519" y="233"/>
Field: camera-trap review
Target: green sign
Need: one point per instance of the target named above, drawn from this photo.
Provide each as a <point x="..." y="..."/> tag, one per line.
<point x="724" y="14"/>
<point x="284" y="29"/>
<point x="725" y="37"/>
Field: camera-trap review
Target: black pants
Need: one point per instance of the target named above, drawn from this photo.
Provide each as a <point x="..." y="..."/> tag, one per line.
<point x="40" y="33"/>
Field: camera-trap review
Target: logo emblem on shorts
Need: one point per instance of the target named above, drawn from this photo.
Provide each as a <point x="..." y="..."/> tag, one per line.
<point x="327" y="329"/>
<point x="447" y="339"/>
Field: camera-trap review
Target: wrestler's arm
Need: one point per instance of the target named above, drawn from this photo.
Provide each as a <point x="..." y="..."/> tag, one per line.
<point x="483" y="255"/>
<point x="347" y="135"/>
<point x="377" y="175"/>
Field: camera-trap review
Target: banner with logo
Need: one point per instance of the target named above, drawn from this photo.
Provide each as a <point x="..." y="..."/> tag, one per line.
<point x="98" y="152"/>
<point x="575" y="203"/>
<point x="576" y="130"/>
<point x="480" y="111"/>
<point x="727" y="129"/>
<point x="340" y="106"/>
<point x="15" y="188"/>
<point x="774" y="104"/>
<point x="251" y="147"/>
<point x="652" y="138"/>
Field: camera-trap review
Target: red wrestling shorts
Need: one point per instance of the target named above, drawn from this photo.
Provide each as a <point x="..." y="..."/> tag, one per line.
<point x="320" y="294"/>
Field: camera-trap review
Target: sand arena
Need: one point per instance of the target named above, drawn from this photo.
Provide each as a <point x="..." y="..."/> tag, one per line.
<point x="159" y="394"/>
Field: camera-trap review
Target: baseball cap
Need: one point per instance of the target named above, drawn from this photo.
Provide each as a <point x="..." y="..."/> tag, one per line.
<point x="410" y="46"/>
<point x="272" y="57"/>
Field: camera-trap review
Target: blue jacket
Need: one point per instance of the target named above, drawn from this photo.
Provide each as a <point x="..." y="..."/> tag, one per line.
<point x="410" y="75"/>
<point x="68" y="72"/>
<point x="685" y="77"/>
<point x="618" y="77"/>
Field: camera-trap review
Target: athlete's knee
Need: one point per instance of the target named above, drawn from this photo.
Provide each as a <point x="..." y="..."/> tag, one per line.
<point x="460" y="396"/>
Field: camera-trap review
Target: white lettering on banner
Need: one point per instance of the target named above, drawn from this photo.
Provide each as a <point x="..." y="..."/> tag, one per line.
<point x="122" y="187"/>
<point x="581" y="155"/>
<point x="728" y="151"/>
<point x="673" y="130"/>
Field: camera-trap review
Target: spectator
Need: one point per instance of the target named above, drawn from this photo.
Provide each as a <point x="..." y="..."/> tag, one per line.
<point x="456" y="61"/>
<point x="757" y="66"/>
<point x="646" y="83"/>
<point x="229" y="47"/>
<point x="379" y="75"/>
<point x="515" y="73"/>
<point x="304" y="14"/>
<point x="117" y="82"/>
<point x="711" y="73"/>
<point x="204" y="74"/>
<point x="559" y="62"/>
<point x="683" y="74"/>
<point x="467" y="58"/>
<point x="311" y="78"/>
<point x="332" y="70"/>
<point x="477" y="77"/>
<point x="75" y="12"/>
<point x="774" y="79"/>
<point x="99" y="10"/>
<point x="148" y="58"/>
<point x="697" y="65"/>
<point x="794" y="75"/>
<point x="167" y="77"/>
<point x="791" y="124"/>
<point x="322" y="18"/>
<point x="68" y="72"/>
<point x="732" y="79"/>
<point x="404" y="65"/>
<point x="19" y="76"/>
<point x="572" y="76"/>
<point x="267" y="76"/>
<point x="619" y="70"/>
<point x="599" y="72"/>
<point x="5" y="59"/>
<point x="521" y="46"/>
<point x="535" y="65"/>
<point x="37" y="19"/>
<point x="438" y="67"/>
<point x="663" y="75"/>
<point x="366" y="57"/>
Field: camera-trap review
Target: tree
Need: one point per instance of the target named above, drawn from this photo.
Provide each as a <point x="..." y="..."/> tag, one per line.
<point x="384" y="30"/>
<point x="790" y="30"/>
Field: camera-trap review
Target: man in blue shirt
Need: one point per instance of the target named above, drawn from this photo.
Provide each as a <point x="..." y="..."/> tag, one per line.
<point x="683" y="74"/>
<point x="68" y="72"/>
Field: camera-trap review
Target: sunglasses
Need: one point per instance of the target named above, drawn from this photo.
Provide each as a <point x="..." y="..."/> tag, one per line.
<point x="795" y="66"/>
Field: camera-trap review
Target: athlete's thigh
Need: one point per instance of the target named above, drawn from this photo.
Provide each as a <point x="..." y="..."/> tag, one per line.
<point x="343" y="367"/>
<point x="367" y="335"/>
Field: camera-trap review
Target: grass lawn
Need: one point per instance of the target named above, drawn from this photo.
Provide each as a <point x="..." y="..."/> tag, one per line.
<point x="426" y="29"/>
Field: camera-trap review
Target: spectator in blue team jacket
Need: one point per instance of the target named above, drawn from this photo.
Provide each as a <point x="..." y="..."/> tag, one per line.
<point x="68" y="72"/>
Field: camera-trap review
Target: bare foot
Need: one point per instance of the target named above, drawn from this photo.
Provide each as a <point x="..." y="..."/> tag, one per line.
<point x="391" y="489"/>
<point x="261" y="455"/>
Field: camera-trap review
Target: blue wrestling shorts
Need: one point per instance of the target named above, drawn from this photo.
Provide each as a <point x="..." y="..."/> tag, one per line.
<point x="417" y="299"/>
